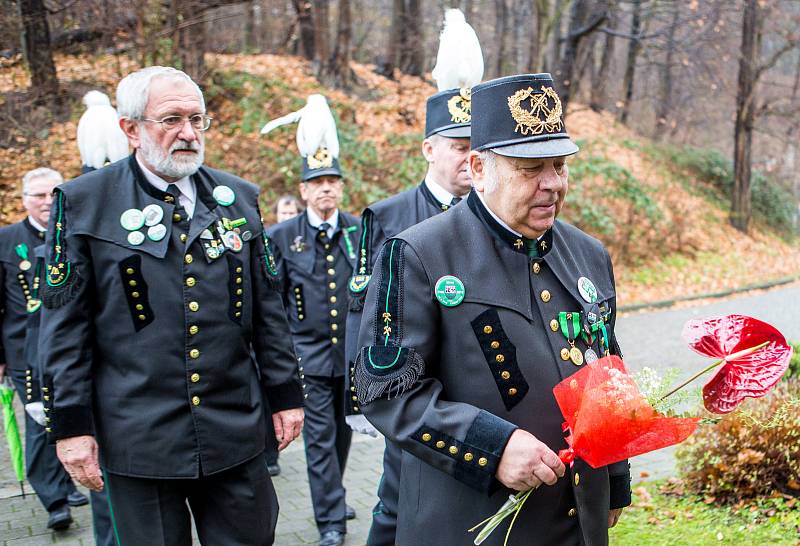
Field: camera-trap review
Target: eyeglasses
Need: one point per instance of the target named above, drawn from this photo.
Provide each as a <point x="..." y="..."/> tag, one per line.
<point x="201" y="122"/>
<point x="36" y="195"/>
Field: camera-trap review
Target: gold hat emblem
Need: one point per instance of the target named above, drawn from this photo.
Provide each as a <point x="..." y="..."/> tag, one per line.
<point x="529" y="122"/>
<point x="322" y="158"/>
<point x="460" y="106"/>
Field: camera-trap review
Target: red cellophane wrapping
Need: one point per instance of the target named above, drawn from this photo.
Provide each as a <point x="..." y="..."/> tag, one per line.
<point x="608" y="417"/>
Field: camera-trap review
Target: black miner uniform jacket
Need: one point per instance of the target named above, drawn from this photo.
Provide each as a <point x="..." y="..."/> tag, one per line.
<point x="451" y="382"/>
<point x="379" y="222"/>
<point x="313" y="284"/>
<point x="19" y="290"/>
<point x="157" y="348"/>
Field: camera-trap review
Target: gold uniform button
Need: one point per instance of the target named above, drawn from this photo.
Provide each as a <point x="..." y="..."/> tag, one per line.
<point x="468" y="456"/>
<point x="195" y="377"/>
<point x="196" y="400"/>
<point x="500" y="358"/>
<point x="564" y="354"/>
<point x="239" y="291"/>
<point x="188" y="259"/>
<point x="176" y="217"/>
<point x="334" y="340"/>
<point x="512" y="391"/>
<point x="572" y="512"/>
<point x="142" y="317"/>
<point x="577" y="479"/>
<point x="129" y="271"/>
<point x="331" y="271"/>
<point x="184" y="237"/>
<point x="332" y="285"/>
<point x="194" y="306"/>
<point x="135" y="294"/>
<point x="536" y="268"/>
<point x="296" y="289"/>
<point x="300" y="316"/>
<point x="139" y="307"/>
<point x="194" y="353"/>
<point x="334" y="312"/>
<point x="453" y="450"/>
<point x="554" y="325"/>
<point x="169" y="199"/>
<point x="238" y="280"/>
<point x="505" y="375"/>
<point x="487" y="329"/>
<point x="329" y="258"/>
<point x="426" y="437"/>
<point x="334" y="327"/>
<point x="238" y="304"/>
<point x="238" y="269"/>
<point x="132" y="283"/>
<point x="191" y="281"/>
<point x="440" y="444"/>
<point x="545" y="296"/>
<point x="193" y="329"/>
<point x="333" y="299"/>
<point x="495" y="344"/>
<point x="355" y="398"/>
<point x="482" y="461"/>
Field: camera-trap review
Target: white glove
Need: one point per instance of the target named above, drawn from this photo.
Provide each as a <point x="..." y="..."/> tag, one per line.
<point x="360" y="424"/>
<point x="36" y="411"/>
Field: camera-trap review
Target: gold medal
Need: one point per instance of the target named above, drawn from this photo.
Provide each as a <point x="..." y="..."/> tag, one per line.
<point x="576" y="356"/>
<point x="25" y="265"/>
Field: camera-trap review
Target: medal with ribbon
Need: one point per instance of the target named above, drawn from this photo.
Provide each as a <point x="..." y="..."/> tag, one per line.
<point x="570" y="323"/>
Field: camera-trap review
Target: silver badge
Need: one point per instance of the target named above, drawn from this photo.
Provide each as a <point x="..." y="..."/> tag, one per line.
<point x="135" y="238"/>
<point x="157" y="232"/>
<point x="590" y="356"/>
<point x="206" y="234"/>
<point x="224" y="195"/>
<point x="153" y="214"/>
<point x="247" y="235"/>
<point x="132" y="219"/>
<point x="587" y="290"/>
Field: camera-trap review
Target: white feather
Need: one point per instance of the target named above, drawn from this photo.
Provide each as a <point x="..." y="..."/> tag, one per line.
<point x="316" y="127"/>
<point x="459" y="62"/>
<point x="99" y="135"/>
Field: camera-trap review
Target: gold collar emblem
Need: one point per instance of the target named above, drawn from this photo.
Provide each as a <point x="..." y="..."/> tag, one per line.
<point x="460" y="106"/>
<point x="322" y="158"/>
<point x="529" y="122"/>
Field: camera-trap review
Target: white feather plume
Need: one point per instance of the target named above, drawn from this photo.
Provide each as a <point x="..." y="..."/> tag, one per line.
<point x="99" y="135"/>
<point x="459" y="62"/>
<point x="316" y="127"/>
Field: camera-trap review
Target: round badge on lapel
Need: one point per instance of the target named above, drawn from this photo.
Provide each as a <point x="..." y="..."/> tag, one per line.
<point x="587" y="290"/>
<point x="157" y="232"/>
<point x="590" y="356"/>
<point x="449" y="291"/>
<point x="247" y="235"/>
<point x="135" y="238"/>
<point x="25" y="265"/>
<point x="232" y="240"/>
<point x="132" y="219"/>
<point x="224" y="196"/>
<point x="153" y="214"/>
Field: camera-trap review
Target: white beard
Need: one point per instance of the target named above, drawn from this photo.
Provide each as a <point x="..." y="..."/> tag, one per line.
<point x="167" y="164"/>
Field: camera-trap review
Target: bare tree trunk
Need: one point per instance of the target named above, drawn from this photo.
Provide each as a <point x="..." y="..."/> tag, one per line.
<point x="306" y="23"/>
<point x="500" y="31"/>
<point x="412" y="59"/>
<point x="630" y="66"/>
<point x="743" y="129"/>
<point x="250" y="17"/>
<point x="555" y="44"/>
<point x="321" y="33"/>
<point x="37" y="49"/>
<point x="539" y="39"/>
<point x="391" y="56"/>
<point x="583" y="20"/>
<point x="189" y="38"/>
<point x="337" y="72"/>
<point x="597" y="100"/>
<point x="664" y="105"/>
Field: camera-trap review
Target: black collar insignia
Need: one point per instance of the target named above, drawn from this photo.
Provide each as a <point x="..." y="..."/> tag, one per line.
<point x="533" y="248"/>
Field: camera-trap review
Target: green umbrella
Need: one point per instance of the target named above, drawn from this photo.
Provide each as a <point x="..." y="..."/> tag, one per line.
<point x="12" y="434"/>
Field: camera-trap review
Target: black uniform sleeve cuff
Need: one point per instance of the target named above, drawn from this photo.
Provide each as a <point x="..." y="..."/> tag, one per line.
<point x="489" y="435"/>
<point x="69" y="421"/>
<point x="620" y="491"/>
<point x="285" y="396"/>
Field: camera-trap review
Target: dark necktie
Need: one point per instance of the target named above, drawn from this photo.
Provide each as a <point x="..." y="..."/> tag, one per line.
<point x="323" y="230"/>
<point x="455" y="201"/>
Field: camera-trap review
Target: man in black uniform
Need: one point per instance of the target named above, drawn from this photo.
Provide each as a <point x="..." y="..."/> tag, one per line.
<point x="315" y="252"/>
<point x="463" y="344"/>
<point x="447" y="181"/>
<point x="161" y="326"/>
<point x="20" y="301"/>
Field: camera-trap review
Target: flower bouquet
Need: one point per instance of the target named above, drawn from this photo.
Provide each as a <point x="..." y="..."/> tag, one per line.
<point x="607" y="418"/>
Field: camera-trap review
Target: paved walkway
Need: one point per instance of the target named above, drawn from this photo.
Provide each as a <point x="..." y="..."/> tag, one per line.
<point x="647" y="339"/>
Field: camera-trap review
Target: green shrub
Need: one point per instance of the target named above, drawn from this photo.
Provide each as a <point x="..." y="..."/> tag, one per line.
<point x="794" y="363"/>
<point x="752" y="452"/>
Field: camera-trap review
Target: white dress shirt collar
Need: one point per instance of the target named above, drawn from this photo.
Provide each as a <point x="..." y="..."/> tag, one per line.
<point x="314" y="220"/>
<point x="185" y="185"/>
<point x="441" y="194"/>
<point x="36" y="224"/>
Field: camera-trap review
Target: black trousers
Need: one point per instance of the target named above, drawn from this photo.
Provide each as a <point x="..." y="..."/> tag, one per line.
<point x="237" y="507"/>
<point x="327" y="441"/>
<point x="384" y="515"/>
<point x="45" y="472"/>
<point x="101" y="520"/>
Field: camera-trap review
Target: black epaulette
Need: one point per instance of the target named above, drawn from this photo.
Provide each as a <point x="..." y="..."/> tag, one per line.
<point x="63" y="280"/>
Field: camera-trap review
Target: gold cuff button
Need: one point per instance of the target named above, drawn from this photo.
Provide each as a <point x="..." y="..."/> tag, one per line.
<point x="426" y="437"/>
<point x="440" y="444"/>
<point x="482" y="461"/>
<point x="505" y="375"/>
<point x="500" y="358"/>
<point x="468" y="456"/>
<point x="453" y="450"/>
<point x="564" y="354"/>
<point x="545" y="296"/>
<point x="495" y="344"/>
<point x="487" y="329"/>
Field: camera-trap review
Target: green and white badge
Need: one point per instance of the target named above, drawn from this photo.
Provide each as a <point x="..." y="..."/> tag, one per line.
<point x="449" y="291"/>
<point x="224" y="195"/>
<point x="587" y="290"/>
<point x="132" y="219"/>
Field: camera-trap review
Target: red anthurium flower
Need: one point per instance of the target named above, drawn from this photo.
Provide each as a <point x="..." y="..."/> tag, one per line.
<point x="745" y="372"/>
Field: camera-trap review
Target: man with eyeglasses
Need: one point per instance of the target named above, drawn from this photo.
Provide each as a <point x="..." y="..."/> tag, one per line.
<point x="20" y="301"/>
<point x="161" y="329"/>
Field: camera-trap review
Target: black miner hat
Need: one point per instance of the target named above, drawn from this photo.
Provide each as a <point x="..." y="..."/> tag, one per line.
<point x="520" y="116"/>
<point x="448" y="113"/>
<point x="321" y="163"/>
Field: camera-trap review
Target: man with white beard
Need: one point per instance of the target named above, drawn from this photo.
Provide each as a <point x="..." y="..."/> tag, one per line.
<point x="159" y="306"/>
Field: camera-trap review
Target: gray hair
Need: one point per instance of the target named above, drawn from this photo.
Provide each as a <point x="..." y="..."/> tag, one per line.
<point x="133" y="90"/>
<point x="489" y="161"/>
<point x="41" y="172"/>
